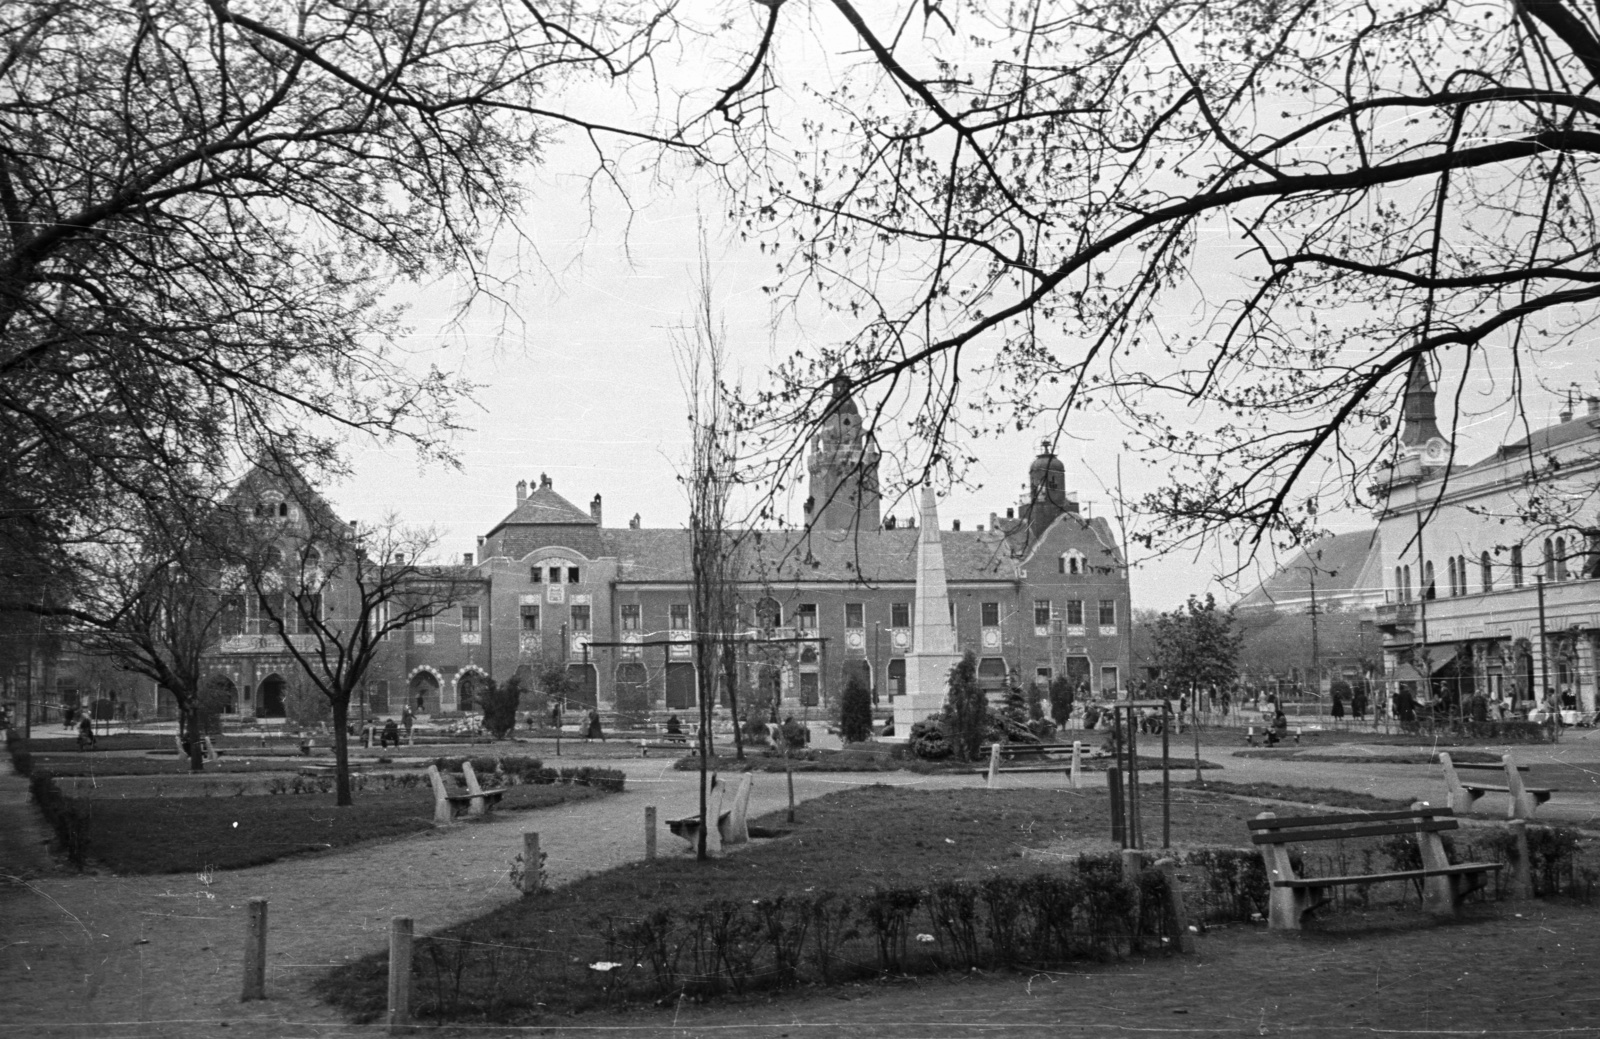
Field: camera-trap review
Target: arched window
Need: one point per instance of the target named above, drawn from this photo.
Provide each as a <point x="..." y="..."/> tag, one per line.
<point x="1406" y="584"/>
<point x="1549" y="560"/>
<point x="1486" y="572"/>
<point x="768" y="613"/>
<point x="1561" y="559"/>
<point x="1455" y="588"/>
<point x="1430" y="590"/>
<point x="1074" y="563"/>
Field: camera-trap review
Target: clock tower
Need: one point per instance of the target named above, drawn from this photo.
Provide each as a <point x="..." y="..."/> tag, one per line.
<point x="1422" y="446"/>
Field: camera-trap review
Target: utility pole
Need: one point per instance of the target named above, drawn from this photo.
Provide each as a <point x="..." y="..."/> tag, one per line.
<point x="1544" y="646"/>
<point x="1316" y="649"/>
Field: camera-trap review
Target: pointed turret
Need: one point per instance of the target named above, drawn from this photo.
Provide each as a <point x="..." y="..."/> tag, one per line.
<point x="844" y="468"/>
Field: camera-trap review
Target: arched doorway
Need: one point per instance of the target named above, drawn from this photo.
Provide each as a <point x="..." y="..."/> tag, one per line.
<point x="680" y="687"/>
<point x="469" y="688"/>
<point x="424" y="692"/>
<point x="271" y="693"/>
<point x="633" y="697"/>
<point x="585" y="691"/>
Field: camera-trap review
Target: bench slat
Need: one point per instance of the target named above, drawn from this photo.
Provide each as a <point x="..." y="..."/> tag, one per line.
<point x="1374" y="878"/>
<point x="1350" y="832"/>
<point x="1355" y="817"/>
<point x="1486" y="768"/>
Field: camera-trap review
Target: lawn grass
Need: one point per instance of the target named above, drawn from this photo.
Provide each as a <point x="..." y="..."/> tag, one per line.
<point x="1301" y="795"/>
<point x="96" y="765"/>
<point x="849" y="760"/>
<point x="181" y="835"/>
<point x="1417" y="757"/>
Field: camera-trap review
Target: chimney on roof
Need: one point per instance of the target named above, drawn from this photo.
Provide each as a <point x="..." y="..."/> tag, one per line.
<point x="994" y="521"/>
<point x="522" y="489"/>
<point x="466" y="559"/>
<point x="594" y="508"/>
<point x="955" y="524"/>
<point x="545" y="483"/>
<point x="399" y="559"/>
<point x="1594" y="405"/>
<point x="633" y="524"/>
<point x="1011" y="513"/>
<point x="1566" y="411"/>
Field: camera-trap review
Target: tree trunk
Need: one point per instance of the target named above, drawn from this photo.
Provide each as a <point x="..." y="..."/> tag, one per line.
<point x="341" y="750"/>
<point x="730" y="674"/>
<point x="197" y="751"/>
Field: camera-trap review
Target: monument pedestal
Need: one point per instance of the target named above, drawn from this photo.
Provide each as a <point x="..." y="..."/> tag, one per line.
<point x="927" y="688"/>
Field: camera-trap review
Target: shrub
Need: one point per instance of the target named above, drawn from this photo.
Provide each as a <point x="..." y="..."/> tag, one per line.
<point x="499" y="701"/>
<point x="855" y="711"/>
<point x="67" y="816"/>
<point x="304" y="705"/>
<point x="1060" y="700"/>
<point x="928" y="741"/>
<point x="966" y="710"/>
<point x="755" y="731"/>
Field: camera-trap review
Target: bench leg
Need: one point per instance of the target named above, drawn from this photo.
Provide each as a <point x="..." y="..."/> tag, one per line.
<point x="478" y="806"/>
<point x="1288" y="907"/>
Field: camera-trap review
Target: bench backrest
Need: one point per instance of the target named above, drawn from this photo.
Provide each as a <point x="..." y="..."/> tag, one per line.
<point x="1267" y="828"/>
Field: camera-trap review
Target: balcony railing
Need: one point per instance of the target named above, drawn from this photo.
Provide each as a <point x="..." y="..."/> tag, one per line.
<point x="1396" y="614"/>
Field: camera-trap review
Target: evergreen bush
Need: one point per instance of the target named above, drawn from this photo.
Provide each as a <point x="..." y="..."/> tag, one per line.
<point x="855" y="711"/>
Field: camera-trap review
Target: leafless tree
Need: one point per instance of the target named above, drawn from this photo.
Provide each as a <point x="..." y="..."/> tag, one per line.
<point x="203" y="201"/>
<point x="332" y="594"/>
<point x="1236" y="225"/>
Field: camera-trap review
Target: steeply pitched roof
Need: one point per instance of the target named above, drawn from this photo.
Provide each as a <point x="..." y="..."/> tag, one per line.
<point x="1346" y="565"/>
<point x="544" y="507"/>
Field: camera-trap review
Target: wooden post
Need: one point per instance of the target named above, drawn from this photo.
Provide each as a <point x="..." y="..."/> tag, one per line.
<point x="994" y="765"/>
<point x="788" y="769"/>
<point x="1176" y="914"/>
<point x="1075" y="773"/>
<point x="649" y="833"/>
<point x="1166" y="776"/>
<point x="531" y="873"/>
<point x="399" y="975"/>
<point x="1522" y="869"/>
<point x="1114" y="785"/>
<point x="255" y="950"/>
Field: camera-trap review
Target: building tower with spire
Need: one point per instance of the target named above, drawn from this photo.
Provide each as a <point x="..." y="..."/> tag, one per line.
<point x="843" y="467"/>
<point x="1422" y="447"/>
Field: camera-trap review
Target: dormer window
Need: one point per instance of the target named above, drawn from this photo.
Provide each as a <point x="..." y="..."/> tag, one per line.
<point x="1074" y="563"/>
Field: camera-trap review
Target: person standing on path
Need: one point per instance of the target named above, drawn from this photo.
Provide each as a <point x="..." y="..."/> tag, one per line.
<point x="408" y="720"/>
<point x="594" y="731"/>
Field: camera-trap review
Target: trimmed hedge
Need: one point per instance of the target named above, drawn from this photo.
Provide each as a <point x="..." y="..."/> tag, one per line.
<point x="503" y="771"/>
<point x="1086" y="912"/>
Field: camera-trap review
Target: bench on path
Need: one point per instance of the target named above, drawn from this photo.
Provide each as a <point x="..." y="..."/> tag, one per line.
<point x="732" y="825"/>
<point x="475" y="802"/>
<point x="1465" y="793"/>
<point x="207" y="751"/>
<point x="1038" y="753"/>
<point x="1294" y="897"/>
<point x="685" y="740"/>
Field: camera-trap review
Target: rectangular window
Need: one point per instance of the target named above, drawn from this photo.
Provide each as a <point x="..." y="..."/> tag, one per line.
<point x="422" y="624"/>
<point x="809" y="686"/>
<point x="1041" y="612"/>
<point x="900" y="615"/>
<point x="572" y="574"/>
<point x="530" y="618"/>
<point x="854" y="615"/>
<point x="1075" y="613"/>
<point x="380" y="621"/>
<point x="469" y="618"/>
<point x="806" y="618"/>
<point x="1516" y="566"/>
<point x="991" y="614"/>
<point x="1108" y="613"/>
<point x="630" y="617"/>
<point x="678" y="618"/>
<point x="232" y="619"/>
<point x="536" y="575"/>
<point x="580" y="618"/>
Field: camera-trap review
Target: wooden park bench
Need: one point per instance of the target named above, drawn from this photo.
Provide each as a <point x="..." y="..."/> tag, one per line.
<point x="1294" y="897"/>
<point x="680" y="741"/>
<point x="732" y="825"/>
<point x="475" y="802"/>
<point x="1043" y="758"/>
<point x="1465" y="793"/>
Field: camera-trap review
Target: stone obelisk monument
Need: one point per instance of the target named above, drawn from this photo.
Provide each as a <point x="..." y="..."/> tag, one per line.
<point x="933" y="637"/>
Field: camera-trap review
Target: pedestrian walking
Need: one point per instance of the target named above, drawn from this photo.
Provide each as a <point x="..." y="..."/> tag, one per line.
<point x="594" y="731"/>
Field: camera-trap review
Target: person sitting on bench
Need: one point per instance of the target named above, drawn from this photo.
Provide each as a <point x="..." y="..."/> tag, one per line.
<point x="674" y="726"/>
<point x="391" y="734"/>
<point x="86" y="733"/>
<point x="1280" y="729"/>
